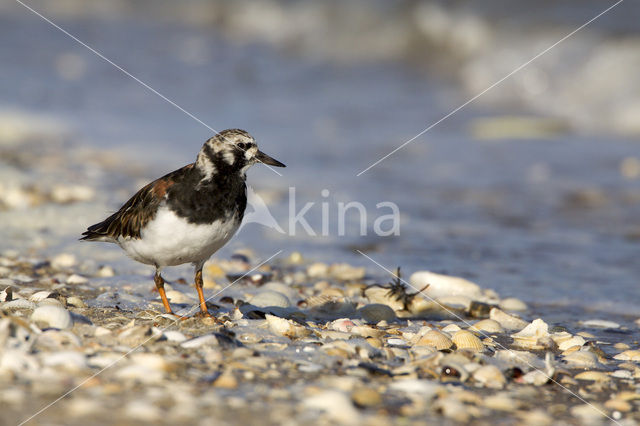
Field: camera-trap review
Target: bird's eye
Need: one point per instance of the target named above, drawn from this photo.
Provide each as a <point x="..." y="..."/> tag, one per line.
<point x="242" y="145"/>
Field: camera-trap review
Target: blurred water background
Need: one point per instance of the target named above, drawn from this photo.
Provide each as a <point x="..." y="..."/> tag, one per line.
<point x="533" y="189"/>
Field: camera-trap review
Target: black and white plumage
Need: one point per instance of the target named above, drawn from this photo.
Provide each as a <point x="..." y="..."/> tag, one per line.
<point x="187" y="215"/>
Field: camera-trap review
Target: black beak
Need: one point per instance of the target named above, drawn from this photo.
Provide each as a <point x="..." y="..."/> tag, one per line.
<point x="264" y="158"/>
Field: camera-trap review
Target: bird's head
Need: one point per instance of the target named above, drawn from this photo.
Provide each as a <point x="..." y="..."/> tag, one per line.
<point x="231" y="150"/>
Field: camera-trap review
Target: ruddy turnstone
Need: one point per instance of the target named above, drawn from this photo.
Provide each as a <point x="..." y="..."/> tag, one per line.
<point x="187" y="215"/>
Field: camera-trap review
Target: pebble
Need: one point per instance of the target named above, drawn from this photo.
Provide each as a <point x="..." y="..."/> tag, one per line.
<point x="366" y="397"/>
<point x="374" y="313"/>
<point x="599" y="323"/>
<point x="335" y="404"/>
<point x="270" y="298"/>
<point x="629" y="355"/>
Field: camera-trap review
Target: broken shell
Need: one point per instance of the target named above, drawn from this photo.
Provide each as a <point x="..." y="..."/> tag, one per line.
<point x="467" y="340"/>
<point x="53" y="316"/>
<point x="376" y="312"/>
<point x="284" y="327"/>
<point x="444" y="285"/>
<point x="534" y="336"/>
<point x="436" y="339"/>
<point x="574" y="341"/>
<point x="490" y="376"/>
<point x="487" y="326"/>
<point x="510" y="322"/>
<point x="381" y="295"/>
<point x="39" y="296"/>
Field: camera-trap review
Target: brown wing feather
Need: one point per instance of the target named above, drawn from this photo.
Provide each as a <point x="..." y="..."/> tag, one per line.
<point x="135" y="213"/>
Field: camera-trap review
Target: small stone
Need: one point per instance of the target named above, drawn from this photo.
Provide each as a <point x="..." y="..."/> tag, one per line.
<point x="629" y="355"/>
<point x="76" y="302"/>
<point x="226" y="381"/>
<point x="106" y="271"/>
<point x="599" y="323"/>
<point x="366" y="397"/>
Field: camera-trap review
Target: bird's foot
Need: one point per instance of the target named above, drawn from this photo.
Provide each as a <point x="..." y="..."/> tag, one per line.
<point x="205" y="315"/>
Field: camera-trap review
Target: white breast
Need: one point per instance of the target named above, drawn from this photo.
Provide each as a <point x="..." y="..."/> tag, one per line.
<point x="170" y="240"/>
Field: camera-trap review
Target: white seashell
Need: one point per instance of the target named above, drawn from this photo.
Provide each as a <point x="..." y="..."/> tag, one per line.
<point x="336" y="405"/>
<point x="444" y="285"/>
<point x="581" y="359"/>
<point x="416" y="388"/>
<point x="270" y="298"/>
<point x="196" y="342"/>
<point x="7" y="294"/>
<point x="467" y="340"/>
<point x="536" y="378"/>
<point x="455" y="302"/>
<point x="285" y="327"/>
<point x="70" y="360"/>
<point x="17" y="304"/>
<point x="376" y="312"/>
<point x="346" y="272"/>
<point x="39" y="296"/>
<point x="53" y="316"/>
<point x="487" y="326"/>
<point x="395" y="341"/>
<point x="436" y="339"/>
<point x="451" y="328"/>
<point x="534" y="336"/>
<point x="76" y="279"/>
<point x="106" y="271"/>
<point x="57" y="339"/>
<point x="490" y="376"/>
<point x="50" y="302"/>
<point x="318" y="270"/>
<point x="63" y="261"/>
<point x="512" y="304"/>
<point x="509" y="322"/>
<point x="344" y="325"/>
<point x="174" y="336"/>
<point x="179" y="297"/>
<point x="598" y="323"/>
<point x="630" y="355"/>
<point x="569" y="343"/>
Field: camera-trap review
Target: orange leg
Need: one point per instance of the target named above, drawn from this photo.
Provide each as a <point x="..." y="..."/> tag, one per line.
<point x="199" y="286"/>
<point x="163" y="295"/>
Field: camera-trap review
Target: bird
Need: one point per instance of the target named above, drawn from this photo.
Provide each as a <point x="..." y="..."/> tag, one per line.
<point x="187" y="215"/>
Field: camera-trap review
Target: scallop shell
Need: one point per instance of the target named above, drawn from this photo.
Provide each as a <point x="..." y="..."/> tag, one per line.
<point x="467" y="340"/>
<point x="490" y="376"/>
<point x="376" y="312"/>
<point x="487" y="326"/>
<point x="39" y="296"/>
<point x="53" y="316"/>
<point x="17" y="304"/>
<point x="510" y="322"/>
<point x="436" y="339"/>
